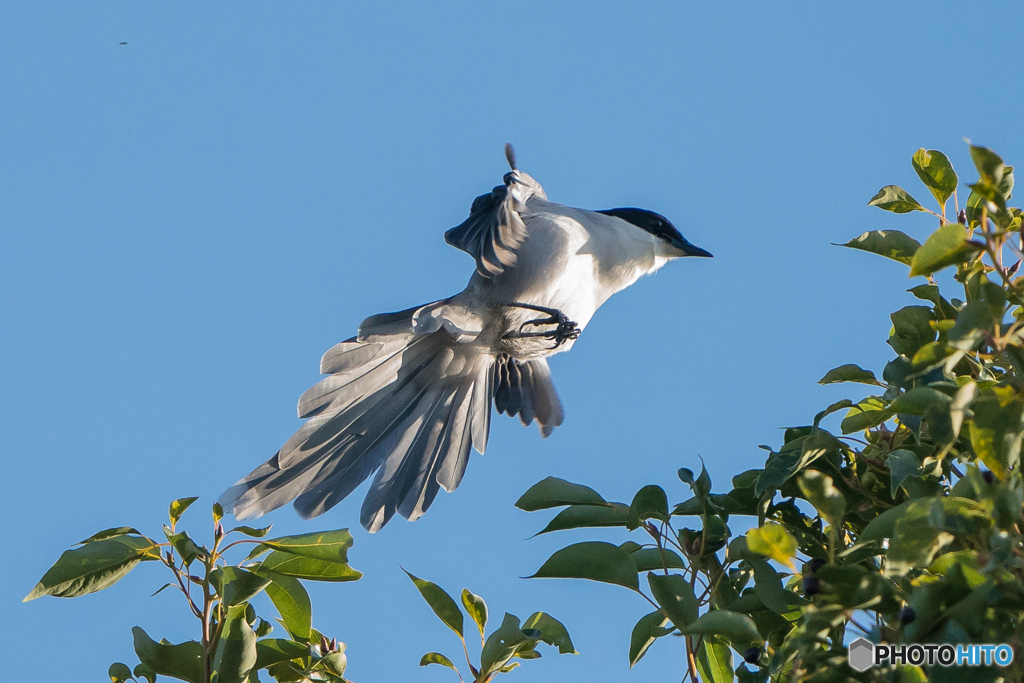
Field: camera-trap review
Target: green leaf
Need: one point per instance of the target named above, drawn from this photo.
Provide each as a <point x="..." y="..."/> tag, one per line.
<point x="94" y="566"/>
<point x="891" y="244"/>
<point x="650" y="502"/>
<point x="675" y="596"/>
<point x="989" y="164"/>
<point x="849" y="373"/>
<point x="947" y="246"/>
<point x="911" y="329"/>
<point x="320" y="545"/>
<point x="594" y="560"/>
<point x="292" y="603"/>
<point x="443" y="605"/>
<point x="502" y="645"/>
<point x="554" y="492"/>
<point x="109" y="533"/>
<point x="894" y="198"/>
<point x="236" y="585"/>
<point x="235" y="655"/>
<point x="309" y="568"/>
<point x="184" y="661"/>
<point x="270" y="651"/>
<point x="252" y="531"/>
<point x="917" y="401"/>
<point x="184" y="545"/>
<point x="645" y="632"/>
<point x="218" y="513"/>
<point x="336" y="662"/>
<point x="996" y="434"/>
<point x="652" y="559"/>
<point x="869" y="412"/>
<point x="738" y="628"/>
<point x="823" y="495"/>
<point x="143" y="671"/>
<point x="119" y="673"/>
<point x="476" y="608"/>
<point x="935" y="171"/>
<point x="580" y="516"/>
<point x="178" y="507"/>
<point x="774" y="541"/>
<point x="552" y="632"/>
<point x="437" y="658"/>
<point x="714" y="662"/>
<point x="902" y="464"/>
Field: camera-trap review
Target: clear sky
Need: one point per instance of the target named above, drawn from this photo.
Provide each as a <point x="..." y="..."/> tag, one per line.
<point x="188" y="221"/>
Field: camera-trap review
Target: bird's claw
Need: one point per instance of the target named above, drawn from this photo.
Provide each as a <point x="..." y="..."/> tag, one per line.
<point x="565" y="329"/>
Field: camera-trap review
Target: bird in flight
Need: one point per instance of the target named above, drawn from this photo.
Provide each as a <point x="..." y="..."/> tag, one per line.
<point x="411" y="393"/>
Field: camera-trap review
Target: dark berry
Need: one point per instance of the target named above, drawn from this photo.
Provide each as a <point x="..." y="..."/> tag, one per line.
<point x="812" y="586"/>
<point x="752" y="655"/>
<point x="814" y="565"/>
<point x="907" y="615"/>
<point x="988" y="477"/>
<point x="962" y="217"/>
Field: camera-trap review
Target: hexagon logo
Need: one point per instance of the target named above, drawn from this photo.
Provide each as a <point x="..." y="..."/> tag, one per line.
<point x="861" y="655"/>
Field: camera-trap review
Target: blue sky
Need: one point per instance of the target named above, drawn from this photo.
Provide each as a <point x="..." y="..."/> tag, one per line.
<point x="188" y="221"/>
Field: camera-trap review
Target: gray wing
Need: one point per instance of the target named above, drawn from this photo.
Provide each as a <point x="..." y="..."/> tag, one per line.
<point x="495" y="228"/>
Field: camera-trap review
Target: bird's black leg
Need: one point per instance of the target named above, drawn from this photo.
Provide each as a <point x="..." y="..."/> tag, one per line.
<point x="565" y="329"/>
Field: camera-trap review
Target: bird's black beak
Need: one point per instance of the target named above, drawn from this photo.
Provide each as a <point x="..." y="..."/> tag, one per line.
<point x="688" y="249"/>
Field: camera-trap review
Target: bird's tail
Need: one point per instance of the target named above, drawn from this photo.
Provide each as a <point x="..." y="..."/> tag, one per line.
<point x="407" y="398"/>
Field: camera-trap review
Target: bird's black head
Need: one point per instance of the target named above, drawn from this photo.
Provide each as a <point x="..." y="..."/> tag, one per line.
<point x="659" y="226"/>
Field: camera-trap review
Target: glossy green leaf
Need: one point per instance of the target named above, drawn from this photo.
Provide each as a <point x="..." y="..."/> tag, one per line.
<point x="292" y="603"/>
<point x="774" y="541"/>
<point x="252" y="531"/>
<point x="645" y="632"/>
<point x="581" y="516"/>
<point x="996" y="434"/>
<point x="109" y="533"/>
<point x="849" y="373"/>
<point x="236" y="585"/>
<point x="911" y="329"/>
<point x="502" y="645"/>
<point x="935" y="171"/>
<point x="738" y="628"/>
<point x="307" y="567"/>
<point x="594" y="560"/>
<point x="918" y="400"/>
<point x="476" y="608"/>
<point x="902" y="464"/>
<point x="653" y="559"/>
<point x="186" y="548"/>
<point x="947" y="246"/>
<point x="869" y="412"/>
<point x="119" y="673"/>
<point x="823" y="495"/>
<point x="331" y="546"/>
<point x="336" y="662"/>
<point x="218" y="513"/>
<point x="714" y="661"/>
<point x="143" y="671"/>
<point x="271" y="651"/>
<point x="675" y="596"/>
<point x="554" y="492"/>
<point x="552" y="632"/>
<point x="184" y="661"/>
<point x="178" y="507"/>
<point x="443" y="605"/>
<point x="235" y="655"/>
<point x="437" y="658"/>
<point x="650" y="502"/>
<point x="891" y="244"/>
<point x="94" y="566"/>
<point x="894" y="198"/>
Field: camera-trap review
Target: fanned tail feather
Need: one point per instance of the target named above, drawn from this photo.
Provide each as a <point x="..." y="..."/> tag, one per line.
<point x="407" y="406"/>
